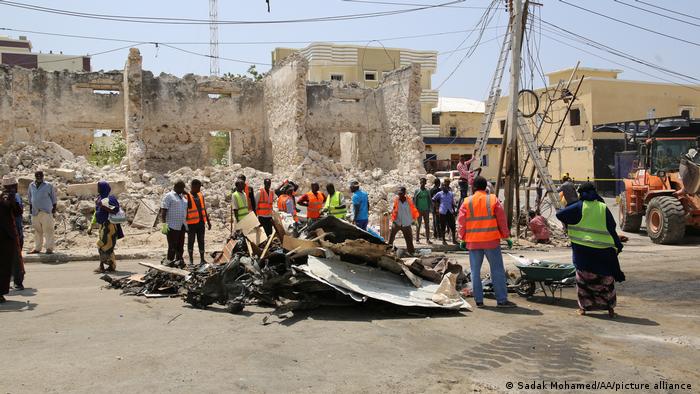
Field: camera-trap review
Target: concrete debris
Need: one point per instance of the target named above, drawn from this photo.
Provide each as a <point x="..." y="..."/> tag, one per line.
<point x="297" y="273"/>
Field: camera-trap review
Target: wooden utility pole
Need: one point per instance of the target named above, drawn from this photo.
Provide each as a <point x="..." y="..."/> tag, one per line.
<point x="511" y="164"/>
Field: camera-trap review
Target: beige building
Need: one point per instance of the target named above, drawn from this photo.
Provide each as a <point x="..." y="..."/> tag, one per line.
<point x="603" y="98"/>
<point x="367" y="66"/>
<point x="459" y="121"/>
<point x="18" y="52"/>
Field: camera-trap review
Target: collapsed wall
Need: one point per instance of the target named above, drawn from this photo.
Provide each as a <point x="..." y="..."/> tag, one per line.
<point x="281" y="124"/>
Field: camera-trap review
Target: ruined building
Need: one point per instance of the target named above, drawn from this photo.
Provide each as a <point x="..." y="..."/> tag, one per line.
<point x="275" y="124"/>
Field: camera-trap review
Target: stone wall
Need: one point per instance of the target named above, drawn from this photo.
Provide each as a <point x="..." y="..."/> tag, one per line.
<point x="277" y="124"/>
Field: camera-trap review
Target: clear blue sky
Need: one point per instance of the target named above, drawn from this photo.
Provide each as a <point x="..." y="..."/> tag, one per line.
<point x="470" y="80"/>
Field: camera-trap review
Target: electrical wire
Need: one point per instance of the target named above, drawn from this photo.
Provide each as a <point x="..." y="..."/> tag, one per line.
<point x="77" y="57"/>
<point x="238" y="42"/>
<point x="631" y="24"/>
<point x="411" y="4"/>
<point x="210" y="56"/>
<point x="657" y="13"/>
<point x="667" y="9"/>
<point x="191" y="21"/>
<point x="590" y="42"/>
<point x="621" y="64"/>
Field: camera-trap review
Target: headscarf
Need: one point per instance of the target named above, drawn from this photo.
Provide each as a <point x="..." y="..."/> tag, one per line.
<point x="587" y="192"/>
<point x="103" y="189"/>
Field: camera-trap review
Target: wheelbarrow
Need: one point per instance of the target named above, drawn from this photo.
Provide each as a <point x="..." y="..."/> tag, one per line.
<point x="548" y="275"/>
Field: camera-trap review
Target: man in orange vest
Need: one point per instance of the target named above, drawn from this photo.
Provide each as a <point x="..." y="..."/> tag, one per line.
<point x="197" y="216"/>
<point x="403" y="214"/>
<point x="482" y="225"/>
<point x="265" y="199"/>
<point x="313" y="201"/>
<point x="286" y="202"/>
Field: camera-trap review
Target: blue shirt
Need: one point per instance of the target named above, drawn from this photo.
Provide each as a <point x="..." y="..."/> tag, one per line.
<point x="41" y="198"/>
<point x="360" y="202"/>
<point x="176" y="205"/>
<point x="446" y="200"/>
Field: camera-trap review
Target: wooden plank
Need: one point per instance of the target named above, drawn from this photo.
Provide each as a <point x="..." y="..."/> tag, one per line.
<point x="269" y="242"/>
<point x="163" y="268"/>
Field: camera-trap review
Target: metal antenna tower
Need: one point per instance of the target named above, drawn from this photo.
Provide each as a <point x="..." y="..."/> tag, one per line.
<point x="213" y="38"/>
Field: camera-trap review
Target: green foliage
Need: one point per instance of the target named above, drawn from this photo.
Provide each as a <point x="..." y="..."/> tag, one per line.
<point x="107" y="154"/>
<point x="218" y="146"/>
<point x="251" y="74"/>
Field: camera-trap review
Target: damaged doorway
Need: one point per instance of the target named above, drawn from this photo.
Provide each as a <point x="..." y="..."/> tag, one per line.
<point x="108" y="147"/>
<point x="220" y="147"/>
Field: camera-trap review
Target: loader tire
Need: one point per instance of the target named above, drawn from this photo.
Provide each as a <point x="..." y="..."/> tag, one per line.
<point x="665" y="220"/>
<point x="628" y="222"/>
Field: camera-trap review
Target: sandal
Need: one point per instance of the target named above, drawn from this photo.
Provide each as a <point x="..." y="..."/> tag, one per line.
<point x="99" y="270"/>
<point x="581" y="312"/>
<point x="611" y="313"/>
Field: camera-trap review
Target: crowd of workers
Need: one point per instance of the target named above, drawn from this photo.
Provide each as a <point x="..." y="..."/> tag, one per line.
<point x="476" y="221"/>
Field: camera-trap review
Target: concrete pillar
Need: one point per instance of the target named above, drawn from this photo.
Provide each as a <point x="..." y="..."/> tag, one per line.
<point x="133" y="111"/>
<point x="349" y="149"/>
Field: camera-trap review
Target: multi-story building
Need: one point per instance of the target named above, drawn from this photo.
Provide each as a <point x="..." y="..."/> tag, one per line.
<point x="584" y="150"/>
<point x="18" y="52"/>
<point x="367" y="66"/>
<point x="459" y="122"/>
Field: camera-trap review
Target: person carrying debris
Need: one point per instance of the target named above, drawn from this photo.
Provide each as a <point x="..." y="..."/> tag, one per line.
<point x="403" y="214"/>
<point x="445" y="200"/>
<point x="42" y="204"/>
<point x="108" y="232"/>
<point x="197" y="217"/>
<point x="335" y="203"/>
<point x="482" y="224"/>
<point x="360" y="206"/>
<point x="595" y="246"/>
<point x="539" y="227"/>
<point x="240" y="200"/>
<point x="423" y="202"/>
<point x="313" y="201"/>
<point x="11" y="258"/>
<point x="265" y="199"/>
<point x="173" y="211"/>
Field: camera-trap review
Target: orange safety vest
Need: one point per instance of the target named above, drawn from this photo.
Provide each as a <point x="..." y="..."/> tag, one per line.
<point x="313" y="211"/>
<point x="282" y="205"/>
<point x="395" y="210"/>
<point x="480" y="219"/>
<point x="193" y="212"/>
<point x="265" y="202"/>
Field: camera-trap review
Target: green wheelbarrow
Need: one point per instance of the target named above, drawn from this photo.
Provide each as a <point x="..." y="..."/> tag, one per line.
<point x="545" y="274"/>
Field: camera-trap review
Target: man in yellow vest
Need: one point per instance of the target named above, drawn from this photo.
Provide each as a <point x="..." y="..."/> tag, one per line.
<point x="482" y="225"/>
<point x="313" y="201"/>
<point x="239" y="201"/>
<point x="335" y="203"/>
<point x="197" y="217"/>
<point x="249" y="193"/>
<point x="265" y="200"/>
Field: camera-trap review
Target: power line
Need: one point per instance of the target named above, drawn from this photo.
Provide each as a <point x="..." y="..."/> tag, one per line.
<point x="74" y="57"/>
<point x="471" y="47"/>
<point x="667" y="9"/>
<point x="613" y="51"/>
<point x="211" y="56"/>
<point x="657" y="13"/>
<point x="412" y="4"/>
<point x="621" y="64"/>
<point x="631" y="24"/>
<point x="191" y="21"/>
<point x="99" y="38"/>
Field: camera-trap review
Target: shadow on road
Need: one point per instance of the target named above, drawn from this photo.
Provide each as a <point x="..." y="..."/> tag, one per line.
<point x="17" y="306"/>
<point x="640" y="321"/>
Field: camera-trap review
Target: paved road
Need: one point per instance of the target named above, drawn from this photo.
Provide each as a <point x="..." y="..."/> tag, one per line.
<point x="66" y="334"/>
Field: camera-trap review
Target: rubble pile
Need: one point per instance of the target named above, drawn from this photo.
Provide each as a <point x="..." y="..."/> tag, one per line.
<point x="289" y="273"/>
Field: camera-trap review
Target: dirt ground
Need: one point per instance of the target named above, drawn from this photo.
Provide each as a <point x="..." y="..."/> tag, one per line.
<point x="65" y="333"/>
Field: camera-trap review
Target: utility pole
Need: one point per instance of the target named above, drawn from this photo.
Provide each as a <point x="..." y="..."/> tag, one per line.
<point x="213" y="38"/>
<point x="511" y="163"/>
